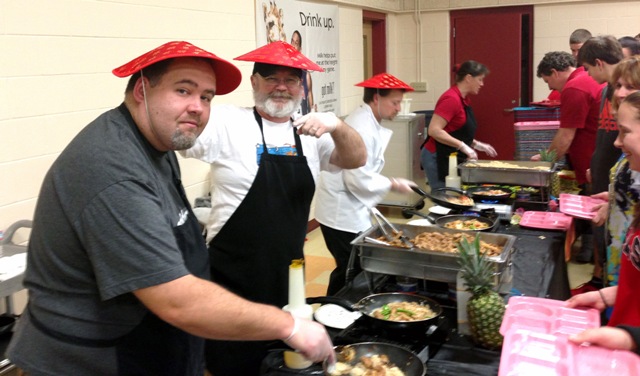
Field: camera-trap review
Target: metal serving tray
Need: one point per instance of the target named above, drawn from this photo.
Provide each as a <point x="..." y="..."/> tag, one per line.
<point x="531" y="174"/>
<point x="420" y="263"/>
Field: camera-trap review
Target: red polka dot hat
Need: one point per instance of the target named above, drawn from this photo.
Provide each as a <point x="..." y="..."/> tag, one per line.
<point x="385" y="81"/>
<point x="228" y="76"/>
<point x="280" y="53"/>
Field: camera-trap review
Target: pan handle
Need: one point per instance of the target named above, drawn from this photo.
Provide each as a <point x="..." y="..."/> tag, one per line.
<point x="419" y="214"/>
<point x="419" y="191"/>
<point x="445" y="189"/>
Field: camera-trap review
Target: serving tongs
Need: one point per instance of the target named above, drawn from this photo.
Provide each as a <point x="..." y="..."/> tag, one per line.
<point x="383" y="223"/>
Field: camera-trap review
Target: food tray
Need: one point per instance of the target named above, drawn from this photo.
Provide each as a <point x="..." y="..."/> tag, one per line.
<point x="578" y="206"/>
<point x="547" y="316"/>
<point x="423" y="264"/>
<point x="528" y="175"/>
<point x="546" y="220"/>
<point x="527" y="353"/>
<point x="536" y="342"/>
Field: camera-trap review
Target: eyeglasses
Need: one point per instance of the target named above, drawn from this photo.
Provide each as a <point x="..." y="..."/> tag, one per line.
<point x="290" y="82"/>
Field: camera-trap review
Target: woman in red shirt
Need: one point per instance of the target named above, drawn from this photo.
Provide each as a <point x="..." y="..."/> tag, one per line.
<point x="453" y="126"/>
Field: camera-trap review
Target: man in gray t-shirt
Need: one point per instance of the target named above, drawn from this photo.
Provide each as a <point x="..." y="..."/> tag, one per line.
<point x="117" y="269"/>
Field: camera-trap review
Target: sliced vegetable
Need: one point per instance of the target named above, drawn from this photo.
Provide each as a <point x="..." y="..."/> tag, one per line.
<point x="410" y="313"/>
<point x="386" y="311"/>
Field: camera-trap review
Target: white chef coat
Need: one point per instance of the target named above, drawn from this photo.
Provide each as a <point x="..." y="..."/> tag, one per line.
<point x="344" y="197"/>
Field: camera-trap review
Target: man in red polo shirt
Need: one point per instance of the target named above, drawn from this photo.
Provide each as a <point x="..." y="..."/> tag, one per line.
<point x="579" y="109"/>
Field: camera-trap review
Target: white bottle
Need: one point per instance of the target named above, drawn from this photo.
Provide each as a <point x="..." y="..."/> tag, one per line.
<point x="299" y="308"/>
<point x="453" y="180"/>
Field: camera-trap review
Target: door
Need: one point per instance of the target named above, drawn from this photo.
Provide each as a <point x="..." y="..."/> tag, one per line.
<point x="367" y="49"/>
<point x="499" y="38"/>
<point x="378" y="26"/>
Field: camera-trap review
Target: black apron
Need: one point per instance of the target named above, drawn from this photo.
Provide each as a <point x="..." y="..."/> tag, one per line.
<point x="155" y="347"/>
<point x="252" y="252"/>
<point x="466" y="133"/>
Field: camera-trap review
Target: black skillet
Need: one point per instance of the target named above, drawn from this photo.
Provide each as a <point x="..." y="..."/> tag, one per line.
<point x="369" y="304"/>
<point x="442" y="221"/>
<point x="443" y="195"/>
<point x="476" y="193"/>
<point x="405" y="360"/>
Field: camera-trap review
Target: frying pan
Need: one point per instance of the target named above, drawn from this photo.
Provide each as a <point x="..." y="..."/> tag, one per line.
<point x="441" y="196"/>
<point x="369" y="304"/>
<point x="407" y="361"/>
<point x="477" y="195"/>
<point x="442" y="221"/>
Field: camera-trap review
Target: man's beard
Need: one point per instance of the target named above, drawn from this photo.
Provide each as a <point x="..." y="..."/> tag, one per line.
<point x="265" y="103"/>
<point x="183" y="140"/>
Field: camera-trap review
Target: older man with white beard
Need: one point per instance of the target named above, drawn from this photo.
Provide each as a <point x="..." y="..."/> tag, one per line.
<point x="263" y="171"/>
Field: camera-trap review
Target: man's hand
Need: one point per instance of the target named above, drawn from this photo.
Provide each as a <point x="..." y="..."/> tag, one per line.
<point x="402" y="185"/>
<point x="317" y="123"/>
<point x="312" y="340"/>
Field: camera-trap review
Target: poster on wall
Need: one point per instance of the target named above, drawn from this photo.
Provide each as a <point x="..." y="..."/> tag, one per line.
<point x="314" y="28"/>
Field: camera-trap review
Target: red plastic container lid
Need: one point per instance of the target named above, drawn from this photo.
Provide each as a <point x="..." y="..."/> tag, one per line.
<point x="578" y="206"/>
<point x="547" y="316"/>
<point x="536" y="342"/>
<point x="546" y="220"/>
<point x="536" y="125"/>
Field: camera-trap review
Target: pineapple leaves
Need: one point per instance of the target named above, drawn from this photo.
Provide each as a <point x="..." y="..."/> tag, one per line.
<point x="548" y="155"/>
<point x="476" y="269"/>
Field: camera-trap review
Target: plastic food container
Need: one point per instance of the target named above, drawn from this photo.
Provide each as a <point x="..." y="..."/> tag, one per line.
<point x="536" y="332"/>
<point x="546" y="220"/>
<point x="578" y="206"/>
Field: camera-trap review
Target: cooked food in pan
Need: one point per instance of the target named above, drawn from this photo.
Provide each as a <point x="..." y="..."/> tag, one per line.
<point x="502" y="164"/>
<point x="490" y="192"/>
<point x="444" y="242"/>
<point x="460" y="200"/>
<point x="470" y="224"/>
<point x="368" y="366"/>
<point x="441" y="242"/>
<point x="404" y="311"/>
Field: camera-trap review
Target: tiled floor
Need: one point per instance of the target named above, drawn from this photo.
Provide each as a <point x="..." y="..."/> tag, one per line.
<point x="320" y="263"/>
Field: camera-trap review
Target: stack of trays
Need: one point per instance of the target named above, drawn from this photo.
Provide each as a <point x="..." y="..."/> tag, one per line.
<point x="536" y="114"/>
<point x="532" y="136"/>
<point x="536" y="342"/>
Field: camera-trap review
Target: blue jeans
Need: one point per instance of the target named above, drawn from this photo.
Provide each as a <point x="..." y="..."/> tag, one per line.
<point x="430" y="166"/>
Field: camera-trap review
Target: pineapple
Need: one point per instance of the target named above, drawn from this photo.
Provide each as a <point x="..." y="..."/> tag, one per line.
<point x="551" y="156"/>
<point x="548" y="155"/>
<point x="485" y="307"/>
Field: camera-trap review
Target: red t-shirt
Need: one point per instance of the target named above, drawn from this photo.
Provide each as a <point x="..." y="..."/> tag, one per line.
<point x="554" y="95"/>
<point x="579" y="108"/>
<point x="451" y="109"/>
<point x="627" y="305"/>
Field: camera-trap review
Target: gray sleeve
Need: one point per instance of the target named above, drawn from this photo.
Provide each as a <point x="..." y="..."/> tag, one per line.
<point x="129" y="239"/>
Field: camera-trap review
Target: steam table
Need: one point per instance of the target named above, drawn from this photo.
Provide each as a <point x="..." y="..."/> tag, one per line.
<point x="539" y="270"/>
